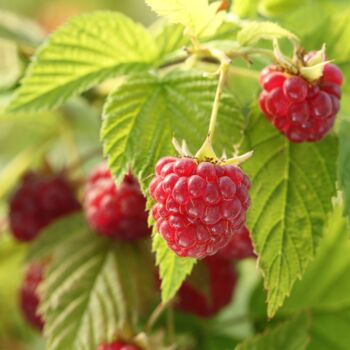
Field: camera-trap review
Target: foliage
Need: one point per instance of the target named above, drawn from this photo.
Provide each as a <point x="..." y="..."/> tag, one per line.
<point x="148" y="90"/>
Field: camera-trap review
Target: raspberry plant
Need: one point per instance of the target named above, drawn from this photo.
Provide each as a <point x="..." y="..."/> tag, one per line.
<point x="225" y="192"/>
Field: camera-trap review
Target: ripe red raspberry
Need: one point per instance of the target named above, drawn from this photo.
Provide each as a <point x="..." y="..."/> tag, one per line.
<point x="239" y="248"/>
<point x="199" y="206"/>
<point x="118" y="345"/>
<point x="114" y="212"/>
<point x="39" y="200"/>
<point x="301" y="110"/>
<point x="29" y="299"/>
<point x="207" y="299"/>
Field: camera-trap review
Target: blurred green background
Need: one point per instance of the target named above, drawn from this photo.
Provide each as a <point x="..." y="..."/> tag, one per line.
<point x="73" y="130"/>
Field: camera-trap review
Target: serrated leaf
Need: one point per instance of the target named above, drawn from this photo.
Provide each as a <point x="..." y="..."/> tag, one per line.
<point x="169" y="37"/>
<point x="91" y="292"/>
<point x="344" y="164"/>
<point x="324" y="290"/>
<point x="87" y="50"/>
<point x="293" y="185"/>
<point x="254" y="31"/>
<point x="173" y="270"/>
<point x="144" y="114"/>
<point x="332" y="262"/>
<point x="199" y="17"/>
<point x="52" y="237"/>
<point x="20" y="29"/>
<point x="290" y="335"/>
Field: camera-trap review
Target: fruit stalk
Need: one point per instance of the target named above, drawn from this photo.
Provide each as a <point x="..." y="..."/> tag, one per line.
<point x="206" y="151"/>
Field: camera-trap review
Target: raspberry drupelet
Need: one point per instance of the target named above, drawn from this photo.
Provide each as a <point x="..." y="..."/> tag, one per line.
<point x="39" y="201"/>
<point x="207" y="300"/>
<point x="29" y="298"/>
<point x="115" y="212"/>
<point x="239" y="248"/>
<point x="301" y="110"/>
<point x="198" y="206"/>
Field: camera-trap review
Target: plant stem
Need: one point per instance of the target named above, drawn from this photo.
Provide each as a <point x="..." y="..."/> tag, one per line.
<point x="214" y="114"/>
<point x="154" y="316"/>
<point x="170" y="325"/>
<point x="206" y="151"/>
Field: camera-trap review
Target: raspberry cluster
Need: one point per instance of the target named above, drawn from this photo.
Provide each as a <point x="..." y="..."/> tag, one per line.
<point x="199" y="206"/>
<point x="302" y="111"/>
<point x="118" y="345"/>
<point x="39" y="200"/>
<point x="29" y="299"/>
<point x="239" y="248"/>
<point x="207" y="300"/>
<point x="114" y="212"/>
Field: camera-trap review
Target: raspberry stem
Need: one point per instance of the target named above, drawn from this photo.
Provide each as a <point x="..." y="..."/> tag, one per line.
<point x="206" y="151"/>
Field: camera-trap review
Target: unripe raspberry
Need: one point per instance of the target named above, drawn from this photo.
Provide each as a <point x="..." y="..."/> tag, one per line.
<point x="211" y="291"/>
<point x="199" y="206"/>
<point x="302" y="111"/>
<point x="29" y="299"/>
<point x="40" y="200"/>
<point x="114" y="212"/>
<point x="240" y="247"/>
<point x="118" y="345"/>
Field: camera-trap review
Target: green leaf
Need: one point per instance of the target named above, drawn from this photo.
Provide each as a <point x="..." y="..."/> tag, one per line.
<point x="200" y="18"/>
<point x="20" y="29"/>
<point x="93" y="292"/>
<point x="344" y="164"/>
<point x="331" y="291"/>
<point x="52" y="237"/>
<point x="10" y="64"/>
<point x="245" y="8"/>
<point x="169" y="37"/>
<point x="293" y="185"/>
<point x="279" y="7"/>
<point x="86" y="51"/>
<point x="290" y="335"/>
<point x="142" y="116"/>
<point x="324" y="290"/>
<point x="254" y="31"/>
<point x="330" y="330"/>
<point x="173" y="270"/>
<point x="334" y="31"/>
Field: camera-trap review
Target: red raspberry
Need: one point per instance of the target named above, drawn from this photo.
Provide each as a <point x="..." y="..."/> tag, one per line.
<point x="208" y="299"/>
<point x="29" y="299"/>
<point x="118" y="345"/>
<point x="239" y="248"/>
<point x="199" y="206"/>
<point x="300" y="110"/>
<point x="114" y="212"/>
<point x="39" y="200"/>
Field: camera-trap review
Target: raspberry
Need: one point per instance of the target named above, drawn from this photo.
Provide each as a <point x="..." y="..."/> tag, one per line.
<point x="220" y="285"/>
<point x="118" y="345"/>
<point x="39" y="200"/>
<point x="29" y="299"/>
<point x="118" y="213"/>
<point x="199" y="206"/>
<point x="302" y="111"/>
<point x="239" y="248"/>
